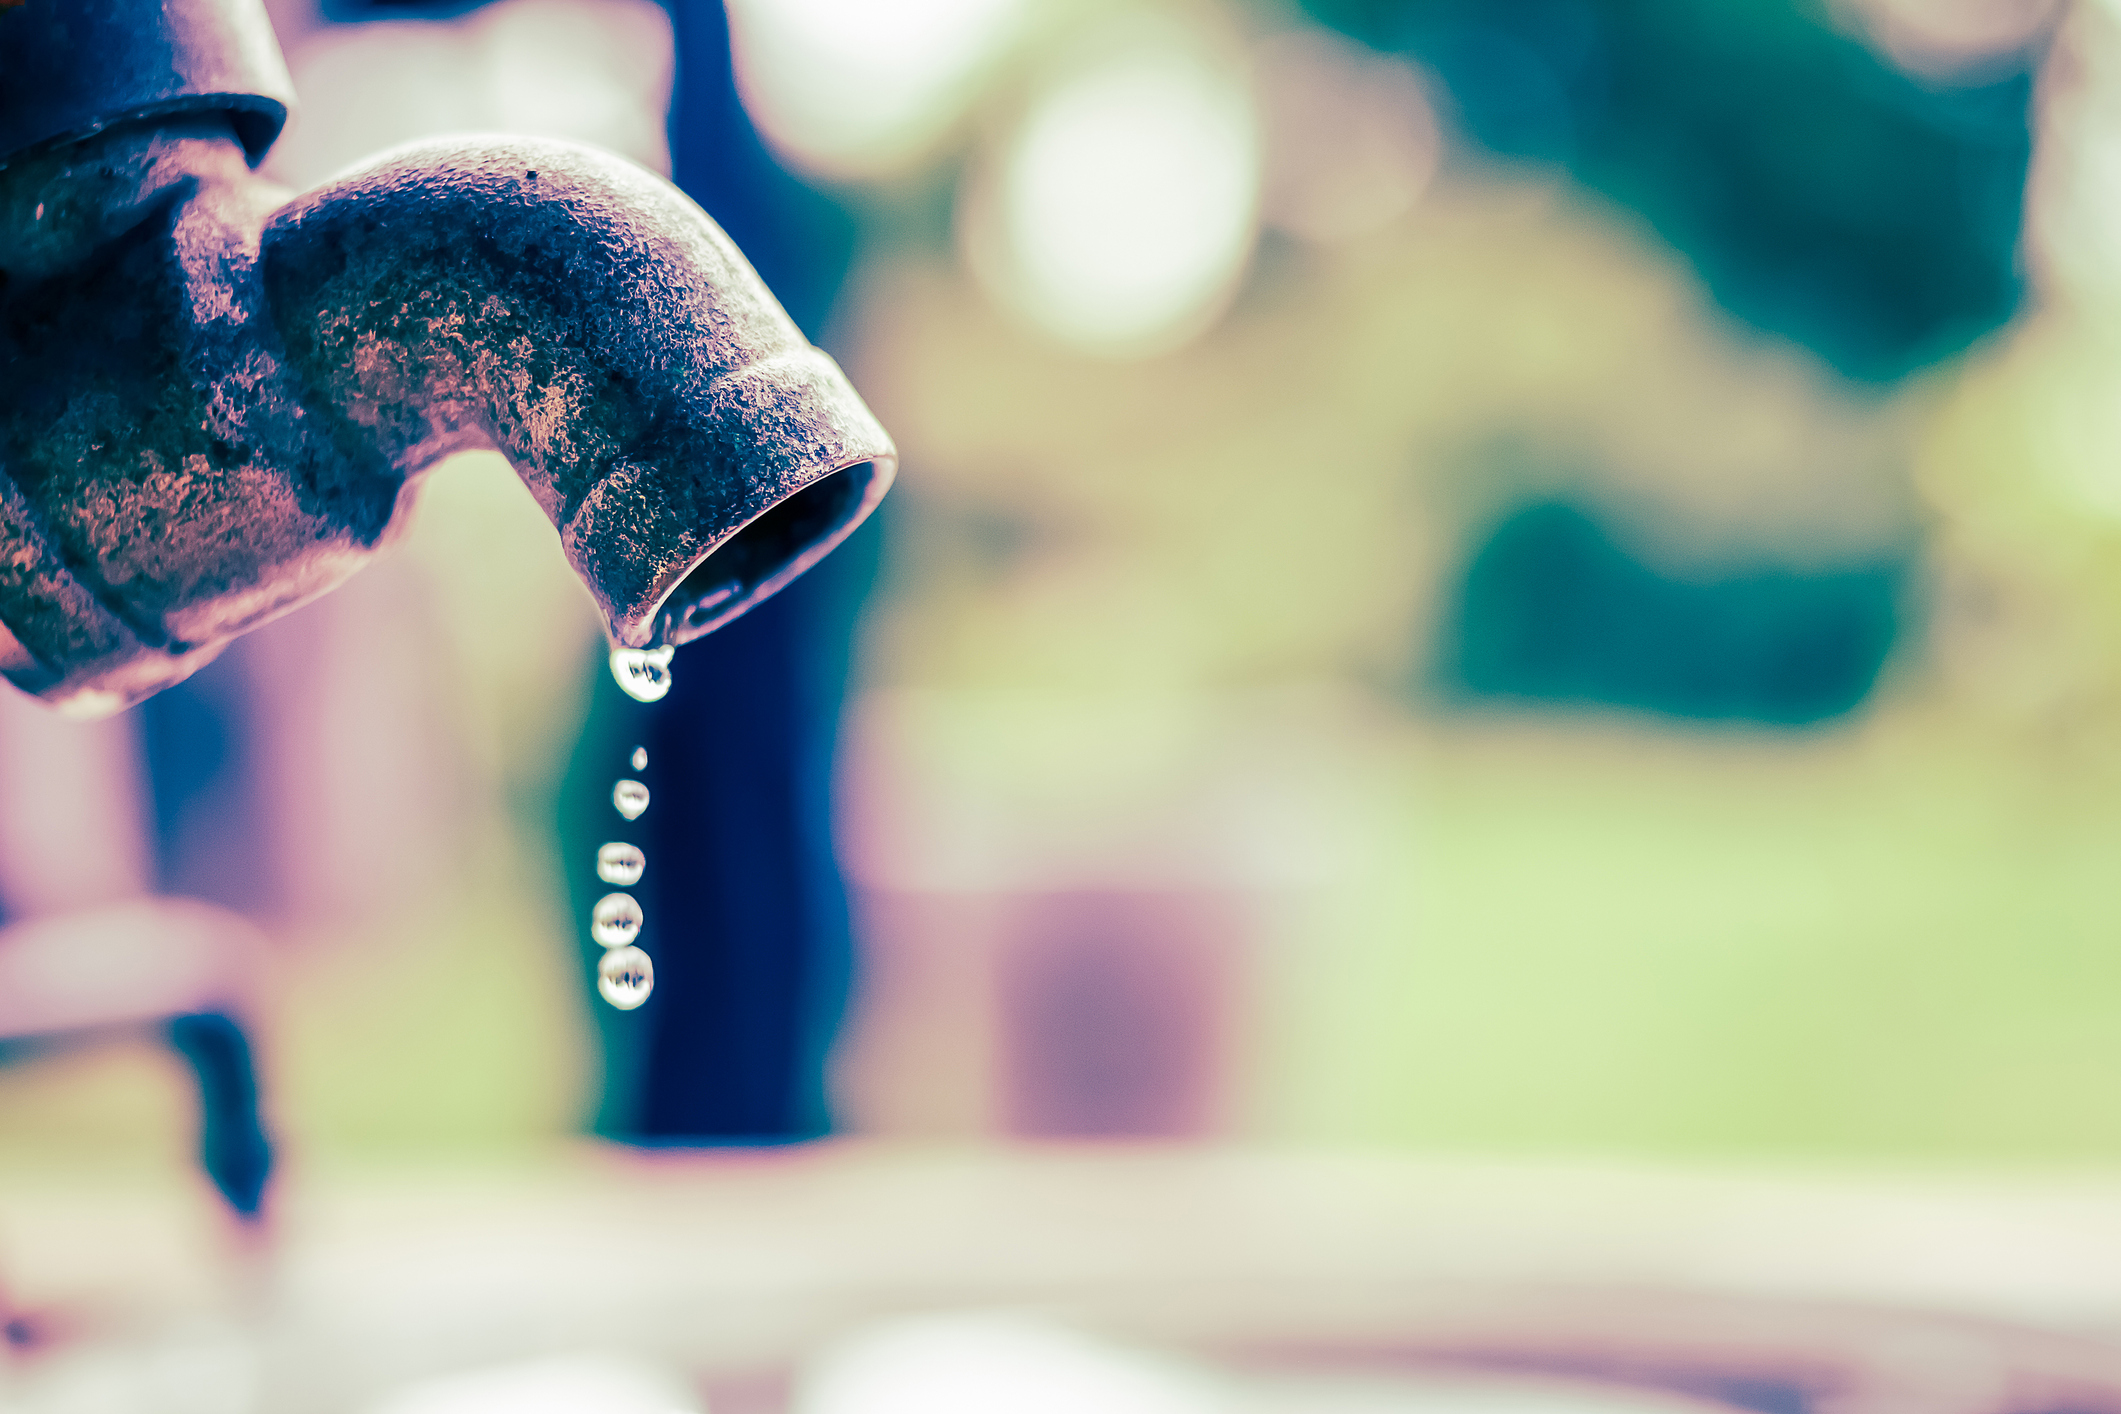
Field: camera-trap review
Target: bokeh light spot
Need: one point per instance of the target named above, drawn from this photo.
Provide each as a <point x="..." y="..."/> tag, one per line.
<point x="1124" y="207"/>
<point x="860" y="88"/>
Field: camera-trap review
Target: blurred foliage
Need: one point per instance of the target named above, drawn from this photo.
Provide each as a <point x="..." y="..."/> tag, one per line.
<point x="1553" y="609"/>
<point x="1822" y="194"/>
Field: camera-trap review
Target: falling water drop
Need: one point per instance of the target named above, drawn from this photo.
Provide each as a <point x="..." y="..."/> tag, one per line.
<point x="625" y="977"/>
<point x="640" y="758"/>
<point x="621" y="864"/>
<point x="629" y="798"/>
<point x="615" y="921"/>
<point x="643" y="673"/>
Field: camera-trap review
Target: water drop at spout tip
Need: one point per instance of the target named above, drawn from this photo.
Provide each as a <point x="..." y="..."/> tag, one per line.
<point x="629" y="798"/>
<point x="625" y="977"/>
<point x="643" y="673"/>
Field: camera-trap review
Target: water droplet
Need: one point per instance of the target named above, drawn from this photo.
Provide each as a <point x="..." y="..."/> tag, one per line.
<point x="629" y="798"/>
<point x="643" y="673"/>
<point x="621" y="864"/>
<point x="625" y="977"/>
<point x="640" y="758"/>
<point x="615" y="921"/>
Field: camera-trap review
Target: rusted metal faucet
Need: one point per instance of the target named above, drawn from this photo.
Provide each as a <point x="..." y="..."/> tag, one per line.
<point x="216" y="403"/>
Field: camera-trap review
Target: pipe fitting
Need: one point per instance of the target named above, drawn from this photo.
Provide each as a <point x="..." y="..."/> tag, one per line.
<point x="588" y="320"/>
<point x="216" y="403"/>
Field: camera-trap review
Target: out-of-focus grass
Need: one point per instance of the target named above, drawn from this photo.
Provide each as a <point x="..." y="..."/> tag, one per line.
<point x="463" y="1029"/>
<point x="1895" y="939"/>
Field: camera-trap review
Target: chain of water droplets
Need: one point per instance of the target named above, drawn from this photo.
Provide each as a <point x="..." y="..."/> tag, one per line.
<point x="625" y="974"/>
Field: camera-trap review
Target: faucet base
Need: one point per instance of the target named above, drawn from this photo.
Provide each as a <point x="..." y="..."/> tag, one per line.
<point x="70" y="70"/>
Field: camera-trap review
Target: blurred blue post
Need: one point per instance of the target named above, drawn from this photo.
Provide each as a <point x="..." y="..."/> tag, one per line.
<point x="747" y="915"/>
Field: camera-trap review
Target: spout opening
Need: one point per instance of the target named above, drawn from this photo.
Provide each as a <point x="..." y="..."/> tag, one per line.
<point x="763" y="556"/>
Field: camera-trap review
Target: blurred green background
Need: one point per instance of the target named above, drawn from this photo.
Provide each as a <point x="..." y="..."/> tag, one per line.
<point x="1582" y="547"/>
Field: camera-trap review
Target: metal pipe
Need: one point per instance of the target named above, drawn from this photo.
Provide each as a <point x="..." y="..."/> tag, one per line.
<point x="216" y="404"/>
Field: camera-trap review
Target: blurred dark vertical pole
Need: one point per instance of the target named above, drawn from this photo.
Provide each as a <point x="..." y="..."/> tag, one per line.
<point x="800" y="240"/>
<point x="747" y="916"/>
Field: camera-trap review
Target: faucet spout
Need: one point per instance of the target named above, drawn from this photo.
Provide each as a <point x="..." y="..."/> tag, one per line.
<point x="585" y="318"/>
<point x="216" y="403"/>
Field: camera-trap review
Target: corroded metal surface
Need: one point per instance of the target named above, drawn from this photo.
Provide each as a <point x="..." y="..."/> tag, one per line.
<point x="71" y="67"/>
<point x="214" y="406"/>
<point x="591" y="322"/>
